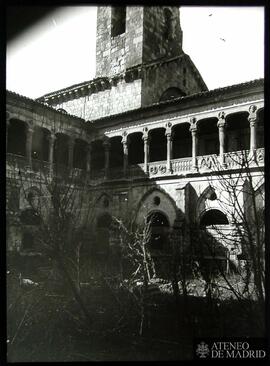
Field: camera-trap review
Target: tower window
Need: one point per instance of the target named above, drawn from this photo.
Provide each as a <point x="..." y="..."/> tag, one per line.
<point x="118" y="20"/>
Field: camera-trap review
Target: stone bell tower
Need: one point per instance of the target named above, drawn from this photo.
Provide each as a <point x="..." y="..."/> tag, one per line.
<point x="146" y="43"/>
<point x="139" y="62"/>
<point x="133" y="35"/>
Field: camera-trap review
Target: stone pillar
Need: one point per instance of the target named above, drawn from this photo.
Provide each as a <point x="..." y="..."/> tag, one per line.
<point x="125" y="153"/>
<point x="193" y="130"/>
<point x="88" y="157"/>
<point x="51" y="139"/>
<point x="146" y="148"/>
<point x="71" y="143"/>
<point x="7" y="126"/>
<point x="221" y="133"/>
<point x="29" y="138"/>
<point x="252" y="118"/>
<point x="106" y="144"/>
<point x="169" y="145"/>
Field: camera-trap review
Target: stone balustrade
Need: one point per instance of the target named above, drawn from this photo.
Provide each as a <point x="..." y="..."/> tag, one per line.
<point x="183" y="166"/>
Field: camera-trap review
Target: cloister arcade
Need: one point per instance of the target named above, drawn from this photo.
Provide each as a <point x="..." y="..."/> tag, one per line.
<point x="186" y="140"/>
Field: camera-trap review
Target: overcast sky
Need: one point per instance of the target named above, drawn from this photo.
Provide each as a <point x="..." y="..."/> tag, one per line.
<point x="225" y="43"/>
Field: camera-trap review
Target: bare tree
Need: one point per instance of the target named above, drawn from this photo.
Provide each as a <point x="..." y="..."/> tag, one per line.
<point x="239" y="193"/>
<point x="59" y="204"/>
<point x="137" y="265"/>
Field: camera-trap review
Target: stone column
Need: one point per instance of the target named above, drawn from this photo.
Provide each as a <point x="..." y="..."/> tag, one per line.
<point x="29" y="138"/>
<point x="125" y="153"/>
<point x="169" y="145"/>
<point x="71" y="143"/>
<point x="51" y="139"/>
<point x="106" y="144"/>
<point x="221" y="133"/>
<point x="88" y="157"/>
<point x="146" y="148"/>
<point x="252" y="118"/>
<point x="7" y="126"/>
<point x="193" y="130"/>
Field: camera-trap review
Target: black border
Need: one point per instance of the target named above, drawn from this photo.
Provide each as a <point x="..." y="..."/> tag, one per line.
<point x="56" y="3"/>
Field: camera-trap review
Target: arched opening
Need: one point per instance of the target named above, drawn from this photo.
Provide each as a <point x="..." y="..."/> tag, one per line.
<point x="208" y="140"/>
<point x="159" y="231"/>
<point x="260" y="129"/>
<point x="61" y="149"/>
<point x="182" y="141"/>
<point x="17" y="137"/>
<point x="157" y="145"/>
<point x="40" y="144"/>
<point x="237" y="132"/>
<point x="62" y="110"/>
<point x="135" y="148"/>
<point x="215" y="241"/>
<point x="80" y="153"/>
<point x="97" y="155"/>
<point x="171" y="93"/>
<point x="116" y="152"/>
<point x="103" y="233"/>
<point x="118" y="21"/>
<point x="213" y="217"/>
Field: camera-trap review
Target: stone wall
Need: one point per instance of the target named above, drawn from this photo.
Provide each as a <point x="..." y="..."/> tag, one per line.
<point x="120" y="98"/>
<point x="115" y="54"/>
<point x="162" y="35"/>
<point x="177" y="73"/>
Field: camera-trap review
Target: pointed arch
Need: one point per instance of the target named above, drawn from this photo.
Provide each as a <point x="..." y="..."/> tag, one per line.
<point x="156" y="200"/>
<point x="209" y="195"/>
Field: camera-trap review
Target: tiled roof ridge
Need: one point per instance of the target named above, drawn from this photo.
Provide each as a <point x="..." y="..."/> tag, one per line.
<point x="42" y="104"/>
<point x="144" y="65"/>
<point x="187" y="97"/>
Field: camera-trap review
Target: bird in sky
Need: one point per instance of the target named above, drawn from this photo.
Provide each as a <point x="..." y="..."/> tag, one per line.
<point x="210" y="15"/>
<point x="222" y="39"/>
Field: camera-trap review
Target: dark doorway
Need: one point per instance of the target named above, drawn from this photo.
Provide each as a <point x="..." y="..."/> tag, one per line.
<point x="159" y="231"/>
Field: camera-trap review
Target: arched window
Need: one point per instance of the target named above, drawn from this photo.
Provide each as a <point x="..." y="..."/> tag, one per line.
<point x="118" y="22"/>
<point x="159" y="230"/>
<point x="213" y="217"/>
<point x="62" y="110"/>
<point x="135" y="149"/>
<point x="171" y="93"/>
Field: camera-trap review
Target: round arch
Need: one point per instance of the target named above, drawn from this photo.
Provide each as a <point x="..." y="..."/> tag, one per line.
<point x="171" y="93"/>
<point x="213" y="217"/>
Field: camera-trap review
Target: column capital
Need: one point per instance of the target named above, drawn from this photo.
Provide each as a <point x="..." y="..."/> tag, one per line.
<point x="125" y="138"/>
<point x="193" y="124"/>
<point x="193" y="129"/>
<point x="168" y="129"/>
<point x="252" y="118"/>
<point x="30" y="129"/>
<point x="51" y="137"/>
<point x="145" y="133"/>
<point x="221" y="119"/>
